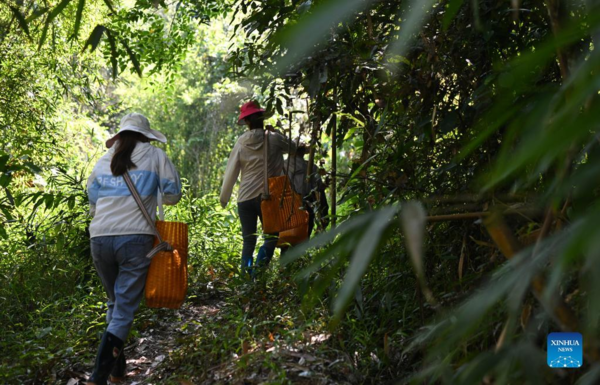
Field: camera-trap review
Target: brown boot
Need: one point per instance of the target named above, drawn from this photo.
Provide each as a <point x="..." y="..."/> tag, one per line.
<point x="119" y="371"/>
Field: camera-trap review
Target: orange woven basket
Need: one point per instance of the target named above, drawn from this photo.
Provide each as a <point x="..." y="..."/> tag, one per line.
<point x="281" y="214"/>
<point x="294" y="236"/>
<point x="166" y="284"/>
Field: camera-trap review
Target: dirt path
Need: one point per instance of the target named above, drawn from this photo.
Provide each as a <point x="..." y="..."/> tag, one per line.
<point x="157" y="338"/>
<point x="160" y="332"/>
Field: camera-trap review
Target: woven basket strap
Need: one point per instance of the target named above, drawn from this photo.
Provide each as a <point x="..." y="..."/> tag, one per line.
<point x="162" y="245"/>
<point x="266" y="194"/>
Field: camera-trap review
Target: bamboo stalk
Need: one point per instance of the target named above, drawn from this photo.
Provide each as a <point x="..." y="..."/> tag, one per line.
<point x="333" y="171"/>
<point x="475" y="198"/>
<point x="313" y="145"/>
<point x="554" y="13"/>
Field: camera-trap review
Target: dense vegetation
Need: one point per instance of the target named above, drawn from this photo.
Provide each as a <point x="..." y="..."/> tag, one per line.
<point x="458" y="140"/>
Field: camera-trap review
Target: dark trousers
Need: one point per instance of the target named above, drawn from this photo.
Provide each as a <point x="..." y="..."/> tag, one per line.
<point x="311" y="219"/>
<point x="249" y="211"/>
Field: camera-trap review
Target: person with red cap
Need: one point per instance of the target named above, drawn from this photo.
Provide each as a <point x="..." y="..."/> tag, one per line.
<point x="247" y="158"/>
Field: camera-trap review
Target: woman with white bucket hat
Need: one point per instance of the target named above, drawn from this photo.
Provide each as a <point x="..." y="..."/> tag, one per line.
<point x="120" y="235"/>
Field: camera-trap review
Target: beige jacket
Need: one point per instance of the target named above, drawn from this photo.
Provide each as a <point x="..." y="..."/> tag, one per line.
<point x="247" y="158"/>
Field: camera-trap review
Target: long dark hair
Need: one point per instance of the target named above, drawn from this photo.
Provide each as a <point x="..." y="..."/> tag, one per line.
<point x="255" y="120"/>
<point x="121" y="160"/>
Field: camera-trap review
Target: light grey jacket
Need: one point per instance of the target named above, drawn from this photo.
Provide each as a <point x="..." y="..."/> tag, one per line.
<point x="111" y="204"/>
<point x="247" y="158"/>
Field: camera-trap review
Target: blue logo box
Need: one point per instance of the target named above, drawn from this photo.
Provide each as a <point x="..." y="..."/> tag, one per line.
<point x="565" y="350"/>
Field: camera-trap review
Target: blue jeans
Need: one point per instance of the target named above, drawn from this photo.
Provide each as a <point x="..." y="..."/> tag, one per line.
<point x="122" y="266"/>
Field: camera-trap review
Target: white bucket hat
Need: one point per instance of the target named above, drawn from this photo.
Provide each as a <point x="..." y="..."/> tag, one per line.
<point x="138" y="123"/>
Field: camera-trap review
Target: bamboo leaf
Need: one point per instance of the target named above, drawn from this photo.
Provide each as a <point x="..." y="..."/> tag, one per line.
<point x="78" y="16"/>
<point x="110" y="6"/>
<point x="5" y="179"/>
<point x="511" y="281"/>
<point x="113" y="53"/>
<point x="412" y="218"/>
<point x="37" y="14"/>
<point x="522" y="71"/>
<point x="10" y="198"/>
<point x="44" y="33"/>
<point x="313" y="27"/>
<point x="344" y="244"/>
<point x="3" y="161"/>
<point x="94" y="38"/>
<point x="57" y="10"/>
<point x="6" y="211"/>
<point x="21" y="20"/>
<point x="451" y="11"/>
<point x="325" y="238"/>
<point x="133" y="58"/>
<point x="361" y="257"/>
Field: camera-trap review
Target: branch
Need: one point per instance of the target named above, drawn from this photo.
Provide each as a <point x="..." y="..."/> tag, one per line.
<point x="481" y="214"/>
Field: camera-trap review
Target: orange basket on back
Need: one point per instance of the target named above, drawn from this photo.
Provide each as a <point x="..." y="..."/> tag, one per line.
<point x="294" y="236"/>
<point x="166" y="284"/>
<point x="282" y="210"/>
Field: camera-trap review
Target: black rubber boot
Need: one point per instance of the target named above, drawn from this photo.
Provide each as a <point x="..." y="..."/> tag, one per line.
<point x="119" y="371"/>
<point x="109" y="351"/>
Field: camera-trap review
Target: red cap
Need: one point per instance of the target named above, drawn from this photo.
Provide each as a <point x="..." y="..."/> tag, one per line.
<point x="248" y="109"/>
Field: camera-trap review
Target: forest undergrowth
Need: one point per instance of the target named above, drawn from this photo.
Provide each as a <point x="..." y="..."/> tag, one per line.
<point x="230" y="330"/>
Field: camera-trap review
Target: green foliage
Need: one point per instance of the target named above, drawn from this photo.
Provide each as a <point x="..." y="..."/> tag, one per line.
<point x="49" y="292"/>
<point x="467" y="107"/>
<point x="194" y="106"/>
<point x="150" y="34"/>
